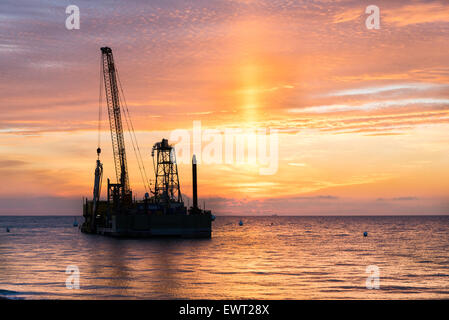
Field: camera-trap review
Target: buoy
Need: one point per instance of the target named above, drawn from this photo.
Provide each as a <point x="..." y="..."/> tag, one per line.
<point x="7" y="229"/>
<point x="365" y="234"/>
<point x="241" y="223"/>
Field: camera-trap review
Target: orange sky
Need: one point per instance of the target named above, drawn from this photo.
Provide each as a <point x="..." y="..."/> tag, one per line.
<point x="362" y="114"/>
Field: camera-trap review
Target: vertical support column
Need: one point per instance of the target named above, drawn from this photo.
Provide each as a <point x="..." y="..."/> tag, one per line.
<point x="194" y="183"/>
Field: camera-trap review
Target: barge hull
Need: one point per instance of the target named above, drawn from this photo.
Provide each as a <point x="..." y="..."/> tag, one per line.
<point x="148" y="226"/>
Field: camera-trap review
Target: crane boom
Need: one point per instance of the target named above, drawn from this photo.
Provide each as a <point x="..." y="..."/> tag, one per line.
<point x="115" y="118"/>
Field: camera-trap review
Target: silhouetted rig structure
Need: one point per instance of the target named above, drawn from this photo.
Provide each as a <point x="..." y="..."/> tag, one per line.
<point x="162" y="211"/>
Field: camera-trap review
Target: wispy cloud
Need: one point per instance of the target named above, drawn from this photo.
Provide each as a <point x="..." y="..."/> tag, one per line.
<point x="398" y="199"/>
<point x="418" y="13"/>
<point x="371" y="105"/>
<point x="392" y="87"/>
<point x="348" y="15"/>
<point x="296" y="164"/>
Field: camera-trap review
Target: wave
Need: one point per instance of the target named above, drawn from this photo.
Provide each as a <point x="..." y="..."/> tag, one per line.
<point x="10" y="295"/>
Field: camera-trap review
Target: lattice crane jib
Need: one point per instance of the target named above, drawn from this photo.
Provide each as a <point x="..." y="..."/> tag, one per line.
<point x="115" y="119"/>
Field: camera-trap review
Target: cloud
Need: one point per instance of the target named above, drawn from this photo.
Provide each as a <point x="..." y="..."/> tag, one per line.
<point x="328" y="205"/>
<point x="371" y="105"/>
<point x="296" y="164"/>
<point x="348" y="15"/>
<point x="398" y="199"/>
<point x="417" y="13"/>
<point x="41" y="205"/>
<point x="392" y="87"/>
<point x="8" y="164"/>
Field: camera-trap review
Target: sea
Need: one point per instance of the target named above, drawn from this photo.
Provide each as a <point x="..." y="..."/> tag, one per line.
<point x="275" y="257"/>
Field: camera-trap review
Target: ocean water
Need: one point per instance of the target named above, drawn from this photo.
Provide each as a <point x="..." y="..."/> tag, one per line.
<point x="266" y="258"/>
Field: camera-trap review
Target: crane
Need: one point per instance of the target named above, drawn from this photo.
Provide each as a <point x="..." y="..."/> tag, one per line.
<point x="121" y="189"/>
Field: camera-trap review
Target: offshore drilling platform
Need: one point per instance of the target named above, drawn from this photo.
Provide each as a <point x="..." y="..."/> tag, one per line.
<point x="162" y="211"/>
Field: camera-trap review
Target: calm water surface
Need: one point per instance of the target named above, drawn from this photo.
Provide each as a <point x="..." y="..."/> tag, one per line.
<point x="266" y="258"/>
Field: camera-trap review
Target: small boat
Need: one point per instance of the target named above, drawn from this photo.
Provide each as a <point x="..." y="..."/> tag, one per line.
<point x="75" y="223"/>
<point x="240" y="223"/>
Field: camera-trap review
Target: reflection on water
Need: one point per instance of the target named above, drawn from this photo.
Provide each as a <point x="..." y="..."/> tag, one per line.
<point x="266" y="258"/>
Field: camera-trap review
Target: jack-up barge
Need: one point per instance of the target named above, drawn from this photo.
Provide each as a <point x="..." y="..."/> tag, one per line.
<point x="162" y="211"/>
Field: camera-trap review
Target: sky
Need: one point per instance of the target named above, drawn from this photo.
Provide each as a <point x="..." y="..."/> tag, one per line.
<point x="362" y="115"/>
